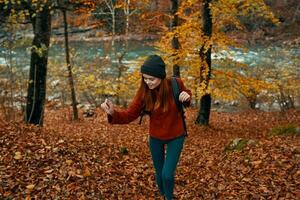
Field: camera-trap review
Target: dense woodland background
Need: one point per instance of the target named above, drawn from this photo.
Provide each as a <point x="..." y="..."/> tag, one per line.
<point x="47" y="36"/>
<point x="243" y="125"/>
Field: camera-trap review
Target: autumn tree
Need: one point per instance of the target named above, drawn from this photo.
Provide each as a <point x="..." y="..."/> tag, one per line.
<point x="204" y="28"/>
<point x="64" y="8"/>
<point x="175" y="41"/>
<point x="38" y="65"/>
<point x="117" y="16"/>
<point x="39" y="15"/>
<point x="205" y="68"/>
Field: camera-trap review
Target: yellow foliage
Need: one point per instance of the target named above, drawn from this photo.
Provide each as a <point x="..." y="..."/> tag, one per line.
<point x="21" y="14"/>
<point x="192" y="40"/>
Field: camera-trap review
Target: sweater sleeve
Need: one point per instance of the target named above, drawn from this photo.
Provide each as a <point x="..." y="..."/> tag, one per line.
<point x="127" y="115"/>
<point x="183" y="88"/>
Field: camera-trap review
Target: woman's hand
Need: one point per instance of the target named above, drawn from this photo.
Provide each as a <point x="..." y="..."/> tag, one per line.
<point x="108" y="107"/>
<point x="184" y="96"/>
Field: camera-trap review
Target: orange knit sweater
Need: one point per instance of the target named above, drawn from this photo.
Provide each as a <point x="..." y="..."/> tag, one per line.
<point x="163" y="125"/>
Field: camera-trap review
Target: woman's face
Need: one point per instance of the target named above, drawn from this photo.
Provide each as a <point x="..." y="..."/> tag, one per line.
<point x="151" y="81"/>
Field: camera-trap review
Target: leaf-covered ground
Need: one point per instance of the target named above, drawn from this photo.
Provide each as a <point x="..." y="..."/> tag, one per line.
<point x="91" y="159"/>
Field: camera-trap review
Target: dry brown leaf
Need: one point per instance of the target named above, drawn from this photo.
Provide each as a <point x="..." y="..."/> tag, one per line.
<point x="48" y="171"/>
<point x="18" y="155"/>
<point x="30" y="187"/>
<point x="86" y="172"/>
<point x="69" y="162"/>
<point x="256" y="163"/>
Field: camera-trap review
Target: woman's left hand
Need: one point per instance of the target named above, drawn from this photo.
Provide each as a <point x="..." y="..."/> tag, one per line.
<point x="184" y="96"/>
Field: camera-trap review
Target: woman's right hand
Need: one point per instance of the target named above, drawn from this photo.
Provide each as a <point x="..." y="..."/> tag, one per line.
<point x="108" y="107"/>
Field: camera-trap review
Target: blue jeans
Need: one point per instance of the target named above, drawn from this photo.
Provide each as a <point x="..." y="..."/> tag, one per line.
<point x="165" y="163"/>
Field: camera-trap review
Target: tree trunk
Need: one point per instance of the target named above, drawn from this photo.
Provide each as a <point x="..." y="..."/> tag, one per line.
<point x="252" y="103"/>
<point x="113" y="47"/>
<point x="120" y="56"/>
<point x="205" y="69"/>
<point x="11" y="114"/>
<point x="36" y="92"/>
<point x="204" y="112"/>
<point x="175" y="42"/>
<point x="127" y="13"/>
<point x="252" y="98"/>
<point x="70" y="75"/>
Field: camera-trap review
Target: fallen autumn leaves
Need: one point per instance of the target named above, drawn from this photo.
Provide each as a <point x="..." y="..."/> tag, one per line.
<point x="90" y="159"/>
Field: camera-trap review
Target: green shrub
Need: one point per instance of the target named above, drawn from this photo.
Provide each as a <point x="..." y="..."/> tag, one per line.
<point x="124" y="150"/>
<point x="288" y="129"/>
<point x="238" y="144"/>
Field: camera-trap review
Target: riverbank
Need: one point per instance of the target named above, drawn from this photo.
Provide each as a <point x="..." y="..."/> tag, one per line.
<point x="278" y="37"/>
<point x="93" y="36"/>
<point x="281" y="35"/>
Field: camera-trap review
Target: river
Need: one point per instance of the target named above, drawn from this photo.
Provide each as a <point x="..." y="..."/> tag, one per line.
<point x="88" y="52"/>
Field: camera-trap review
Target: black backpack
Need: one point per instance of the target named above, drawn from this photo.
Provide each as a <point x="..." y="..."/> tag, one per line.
<point x="180" y="107"/>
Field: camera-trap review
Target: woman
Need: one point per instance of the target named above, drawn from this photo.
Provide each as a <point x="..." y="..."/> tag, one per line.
<point x="166" y="127"/>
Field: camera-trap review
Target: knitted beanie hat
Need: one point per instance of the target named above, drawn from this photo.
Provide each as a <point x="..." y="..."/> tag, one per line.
<point x="154" y="66"/>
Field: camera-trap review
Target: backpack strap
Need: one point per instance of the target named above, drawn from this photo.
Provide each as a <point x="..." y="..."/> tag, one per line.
<point x="176" y="91"/>
<point x="143" y="112"/>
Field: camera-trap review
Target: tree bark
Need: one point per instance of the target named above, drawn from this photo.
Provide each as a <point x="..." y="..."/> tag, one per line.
<point x="36" y="92"/>
<point x="111" y="6"/>
<point x="205" y="55"/>
<point x="175" y="41"/>
<point x="70" y="75"/>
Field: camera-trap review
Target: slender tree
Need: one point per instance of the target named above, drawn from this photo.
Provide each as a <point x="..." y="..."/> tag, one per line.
<point x="175" y="41"/>
<point x="128" y="8"/>
<point x="205" y="69"/>
<point x="36" y="92"/>
<point x="38" y="13"/>
<point x="70" y="74"/>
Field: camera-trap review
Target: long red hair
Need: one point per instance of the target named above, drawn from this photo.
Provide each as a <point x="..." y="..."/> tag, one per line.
<point x="148" y="96"/>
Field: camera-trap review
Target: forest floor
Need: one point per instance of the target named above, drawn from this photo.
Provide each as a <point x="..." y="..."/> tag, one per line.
<point x="90" y="159"/>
